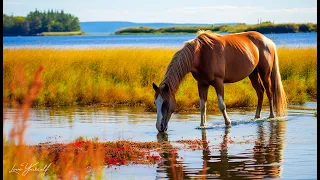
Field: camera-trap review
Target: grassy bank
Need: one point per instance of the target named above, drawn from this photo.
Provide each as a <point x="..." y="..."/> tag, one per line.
<point x="124" y="77"/>
<point x="72" y="33"/>
<point x="266" y="27"/>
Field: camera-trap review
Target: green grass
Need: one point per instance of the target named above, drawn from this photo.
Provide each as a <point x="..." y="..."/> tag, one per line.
<point x="62" y="33"/>
<point x="266" y="27"/>
<point x="119" y="76"/>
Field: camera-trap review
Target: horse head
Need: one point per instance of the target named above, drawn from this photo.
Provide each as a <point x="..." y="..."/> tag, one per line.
<point x="165" y="104"/>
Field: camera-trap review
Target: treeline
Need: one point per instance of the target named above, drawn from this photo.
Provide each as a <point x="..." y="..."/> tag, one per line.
<point x="37" y="22"/>
<point x="265" y="27"/>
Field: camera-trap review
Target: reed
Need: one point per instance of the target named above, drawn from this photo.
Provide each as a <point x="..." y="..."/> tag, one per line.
<point x="124" y="76"/>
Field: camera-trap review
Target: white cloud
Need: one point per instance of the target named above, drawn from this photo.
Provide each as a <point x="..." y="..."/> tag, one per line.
<point x="205" y="8"/>
<point x="245" y="9"/>
<point x="12" y="3"/>
<point x="203" y="14"/>
<point x="292" y="10"/>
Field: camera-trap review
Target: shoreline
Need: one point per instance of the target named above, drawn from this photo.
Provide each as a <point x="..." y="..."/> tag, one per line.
<point x="69" y="33"/>
<point x="185" y="33"/>
<point x="264" y="28"/>
<point x="82" y="33"/>
<point x="180" y="111"/>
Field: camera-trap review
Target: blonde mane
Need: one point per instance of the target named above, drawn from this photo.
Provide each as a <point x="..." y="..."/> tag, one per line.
<point x="179" y="66"/>
<point x="207" y="38"/>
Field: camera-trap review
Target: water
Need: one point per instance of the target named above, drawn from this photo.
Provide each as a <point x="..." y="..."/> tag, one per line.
<point x="288" y="148"/>
<point x="175" y="41"/>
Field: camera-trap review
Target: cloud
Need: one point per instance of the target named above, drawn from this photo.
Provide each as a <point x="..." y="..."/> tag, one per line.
<point x="103" y="11"/>
<point x="202" y="14"/>
<point x="245" y="9"/>
<point x="12" y="3"/>
<point x="205" y="8"/>
<point x="292" y="10"/>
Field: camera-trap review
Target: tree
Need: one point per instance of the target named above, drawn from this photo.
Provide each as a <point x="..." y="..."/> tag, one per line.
<point x="38" y="22"/>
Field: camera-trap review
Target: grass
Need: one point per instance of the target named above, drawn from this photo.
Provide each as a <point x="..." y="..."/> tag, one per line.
<point x="265" y="27"/>
<point x="124" y="76"/>
<point x="62" y="33"/>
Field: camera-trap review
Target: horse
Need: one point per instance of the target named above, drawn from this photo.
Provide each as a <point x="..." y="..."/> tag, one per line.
<point x="214" y="60"/>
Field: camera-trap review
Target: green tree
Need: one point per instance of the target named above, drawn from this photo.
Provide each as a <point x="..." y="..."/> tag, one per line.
<point x="38" y="22"/>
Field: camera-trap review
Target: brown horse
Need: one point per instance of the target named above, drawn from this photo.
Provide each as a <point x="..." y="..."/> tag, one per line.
<point x="213" y="60"/>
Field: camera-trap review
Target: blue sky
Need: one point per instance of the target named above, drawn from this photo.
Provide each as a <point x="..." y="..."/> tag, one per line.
<point x="177" y="11"/>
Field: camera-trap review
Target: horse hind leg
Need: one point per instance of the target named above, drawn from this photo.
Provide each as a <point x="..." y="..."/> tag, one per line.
<point x="257" y="85"/>
<point x="266" y="79"/>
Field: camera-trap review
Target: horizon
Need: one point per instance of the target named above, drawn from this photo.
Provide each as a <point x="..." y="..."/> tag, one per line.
<point x="156" y="22"/>
<point x="178" y="12"/>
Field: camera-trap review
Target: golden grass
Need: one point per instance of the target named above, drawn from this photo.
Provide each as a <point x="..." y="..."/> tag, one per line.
<point x="124" y="76"/>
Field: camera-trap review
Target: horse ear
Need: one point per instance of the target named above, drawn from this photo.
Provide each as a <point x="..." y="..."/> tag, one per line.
<point x="164" y="87"/>
<point x="155" y="87"/>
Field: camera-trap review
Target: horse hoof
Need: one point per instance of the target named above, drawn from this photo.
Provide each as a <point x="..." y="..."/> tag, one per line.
<point x="203" y="126"/>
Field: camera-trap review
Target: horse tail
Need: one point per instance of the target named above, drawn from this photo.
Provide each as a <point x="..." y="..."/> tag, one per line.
<point x="279" y="96"/>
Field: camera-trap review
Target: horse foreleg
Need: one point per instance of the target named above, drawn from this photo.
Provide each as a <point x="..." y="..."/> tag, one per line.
<point x="203" y="93"/>
<point x="219" y="87"/>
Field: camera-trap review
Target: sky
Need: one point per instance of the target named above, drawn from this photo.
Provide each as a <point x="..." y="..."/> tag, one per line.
<point x="175" y="11"/>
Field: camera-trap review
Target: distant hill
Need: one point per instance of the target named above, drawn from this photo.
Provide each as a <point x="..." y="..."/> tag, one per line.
<point x="109" y="27"/>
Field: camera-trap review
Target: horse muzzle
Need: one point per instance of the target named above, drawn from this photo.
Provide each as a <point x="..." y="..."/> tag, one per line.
<point x="163" y="126"/>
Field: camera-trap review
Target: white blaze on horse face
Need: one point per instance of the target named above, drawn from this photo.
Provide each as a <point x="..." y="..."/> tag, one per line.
<point x="158" y="103"/>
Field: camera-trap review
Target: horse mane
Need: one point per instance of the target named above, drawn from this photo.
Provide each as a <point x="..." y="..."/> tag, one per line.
<point x="182" y="60"/>
<point x="179" y="66"/>
<point x="207" y="38"/>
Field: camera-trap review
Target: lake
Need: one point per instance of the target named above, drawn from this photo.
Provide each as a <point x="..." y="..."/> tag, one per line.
<point x="108" y="41"/>
<point x="288" y="149"/>
<point x="288" y="146"/>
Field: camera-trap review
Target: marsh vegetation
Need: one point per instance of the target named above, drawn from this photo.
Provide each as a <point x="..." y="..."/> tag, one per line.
<point x="124" y="76"/>
<point x="265" y="28"/>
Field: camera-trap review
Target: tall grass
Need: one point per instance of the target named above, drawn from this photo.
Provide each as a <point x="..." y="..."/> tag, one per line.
<point x="124" y="76"/>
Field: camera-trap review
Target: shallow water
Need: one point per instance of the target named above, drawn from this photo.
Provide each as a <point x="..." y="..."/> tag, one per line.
<point x="287" y="149"/>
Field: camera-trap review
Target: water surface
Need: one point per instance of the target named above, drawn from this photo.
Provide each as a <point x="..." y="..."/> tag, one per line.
<point x="170" y="40"/>
<point x="286" y="148"/>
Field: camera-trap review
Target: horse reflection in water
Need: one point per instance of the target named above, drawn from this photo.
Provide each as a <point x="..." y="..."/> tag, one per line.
<point x="264" y="161"/>
<point x="170" y="165"/>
